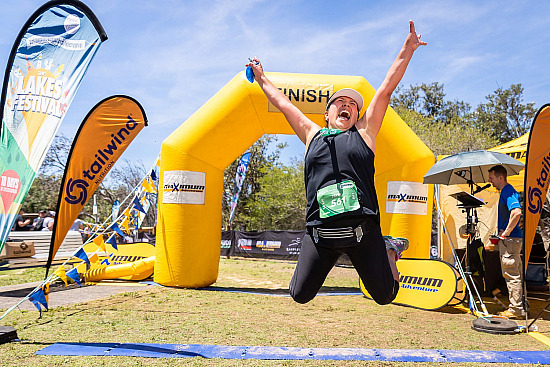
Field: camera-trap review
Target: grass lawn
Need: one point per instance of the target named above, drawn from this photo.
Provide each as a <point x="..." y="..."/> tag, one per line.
<point x="188" y="316"/>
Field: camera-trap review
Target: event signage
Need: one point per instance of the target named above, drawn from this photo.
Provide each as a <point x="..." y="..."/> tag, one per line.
<point x="103" y="136"/>
<point x="45" y="68"/>
<point x="271" y="244"/>
<point x="537" y="176"/>
<point x="308" y="97"/>
<point x="184" y="187"/>
<point x="404" y="197"/>
<point x="425" y="284"/>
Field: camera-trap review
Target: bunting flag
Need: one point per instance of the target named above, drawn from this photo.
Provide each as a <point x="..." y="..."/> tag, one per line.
<point x="239" y="179"/>
<point x="73" y="274"/>
<point x="60" y="272"/>
<point x="100" y="242"/>
<point x="45" y="68"/>
<point x="537" y="172"/>
<point x="38" y="298"/>
<point x="138" y="206"/>
<point x="112" y="241"/>
<point x="114" y="226"/>
<point x="124" y="225"/>
<point x="81" y="254"/>
<point x="103" y="136"/>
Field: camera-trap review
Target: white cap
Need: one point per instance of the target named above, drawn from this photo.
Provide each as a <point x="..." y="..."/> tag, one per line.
<point x="347" y="92"/>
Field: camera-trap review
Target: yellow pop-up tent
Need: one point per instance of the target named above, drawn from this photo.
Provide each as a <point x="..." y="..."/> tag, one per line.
<point x="193" y="159"/>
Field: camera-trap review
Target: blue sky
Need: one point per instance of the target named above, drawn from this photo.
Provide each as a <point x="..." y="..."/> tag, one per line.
<point x="173" y="55"/>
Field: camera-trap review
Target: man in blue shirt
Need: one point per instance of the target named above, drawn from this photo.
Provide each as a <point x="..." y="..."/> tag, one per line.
<point x="511" y="239"/>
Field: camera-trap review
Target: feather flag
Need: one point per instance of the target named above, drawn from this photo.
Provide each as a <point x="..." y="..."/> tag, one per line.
<point x="103" y="136"/>
<point x="48" y="60"/>
<point x="239" y="180"/>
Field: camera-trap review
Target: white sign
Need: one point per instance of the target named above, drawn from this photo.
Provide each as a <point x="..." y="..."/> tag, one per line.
<point x="183" y="187"/>
<point x="404" y="197"/>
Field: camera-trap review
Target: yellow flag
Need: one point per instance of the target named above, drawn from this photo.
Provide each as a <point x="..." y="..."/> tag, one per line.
<point x="99" y="242"/>
<point x="93" y="258"/>
<point x="60" y="272"/>
<point x="147" y="186"/>
<point x="124" y="225"/>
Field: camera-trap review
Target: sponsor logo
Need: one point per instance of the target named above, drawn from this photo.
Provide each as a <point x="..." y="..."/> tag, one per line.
<point x="178" y="187"/>
<point x="423" y="284"/>
<point x="406" y="198"/>
<point x="226" y="244"/>
<point x="71" y="24"/>
<point x="58" y="41"/>
<point x="184" y="187"/>
<point x="534" y="194"/>
<point x="268" y="245"/>
<point x="244" y="244"/>
<point x="103" y="162"/>
<point x="73" y="185"/>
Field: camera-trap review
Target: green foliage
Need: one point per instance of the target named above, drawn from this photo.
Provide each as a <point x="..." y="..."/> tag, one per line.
<point x="449" y="127"/>
<point x="450" y="138"/>
<point x="261" y="163"/>
<point x="505" y="114"/>
<point x="281" y="201"/>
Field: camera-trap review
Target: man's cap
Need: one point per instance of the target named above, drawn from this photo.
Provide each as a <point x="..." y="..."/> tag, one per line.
<point x="52" y="213"/>
<point x="347" y="92"/>
<point x="42" y="211"/>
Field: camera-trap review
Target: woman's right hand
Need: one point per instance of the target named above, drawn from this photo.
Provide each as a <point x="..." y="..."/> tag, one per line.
<point x="256" y="66"/>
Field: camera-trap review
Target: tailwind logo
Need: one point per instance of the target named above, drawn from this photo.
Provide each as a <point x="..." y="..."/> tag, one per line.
<point x="534" y="194"/>
<point x="82" y="195"/>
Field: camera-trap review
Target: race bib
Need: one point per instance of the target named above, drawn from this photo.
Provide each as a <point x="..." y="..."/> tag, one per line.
<point x="337" y="198"/>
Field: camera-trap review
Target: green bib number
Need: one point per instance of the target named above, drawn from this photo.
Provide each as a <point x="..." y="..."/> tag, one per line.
<point x="337" y="198"/>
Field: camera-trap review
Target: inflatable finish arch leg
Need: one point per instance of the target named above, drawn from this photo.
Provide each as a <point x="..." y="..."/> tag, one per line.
<point x="193" y="159"/>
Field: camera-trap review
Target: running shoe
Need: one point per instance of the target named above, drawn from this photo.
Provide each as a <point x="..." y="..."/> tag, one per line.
<point x="398" y="245"/>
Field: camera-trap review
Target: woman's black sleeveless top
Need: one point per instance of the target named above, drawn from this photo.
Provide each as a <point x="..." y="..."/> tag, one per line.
<point x="336" y="158"/>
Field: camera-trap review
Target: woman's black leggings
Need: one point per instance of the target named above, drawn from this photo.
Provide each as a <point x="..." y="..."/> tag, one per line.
<point x="369" y="257"/>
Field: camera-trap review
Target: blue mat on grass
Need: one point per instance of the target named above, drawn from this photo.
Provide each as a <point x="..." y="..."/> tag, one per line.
<point x="291" y="353"/>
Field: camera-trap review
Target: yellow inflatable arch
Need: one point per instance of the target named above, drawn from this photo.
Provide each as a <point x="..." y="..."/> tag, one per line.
<point x="193" y="159"/>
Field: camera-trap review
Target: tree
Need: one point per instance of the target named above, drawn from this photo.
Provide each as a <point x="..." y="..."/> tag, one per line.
<point x="505" y="114"/>
<point x="428" y="100"/>
<point x="261" y="163"/>
<point x="453" y="137"/>
<point x="281" y="201"/>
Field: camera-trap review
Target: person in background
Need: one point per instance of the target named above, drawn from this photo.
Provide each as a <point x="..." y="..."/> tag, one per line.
<point x="510" y="239"/>
<point x="48" y="221"/>
<point x="22" y="224"/>
<point x="38" y="223"/>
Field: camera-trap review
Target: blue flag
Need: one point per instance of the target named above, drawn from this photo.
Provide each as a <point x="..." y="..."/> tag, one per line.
<point x="39" y="298"/>
<point x="112" y="241"/>
<point x="73" y="274"/>
<point x="81" y="254"/>
<point x="117" y="229"/>
<point x="138" y="206"/>
<point x="239" y="179"/>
